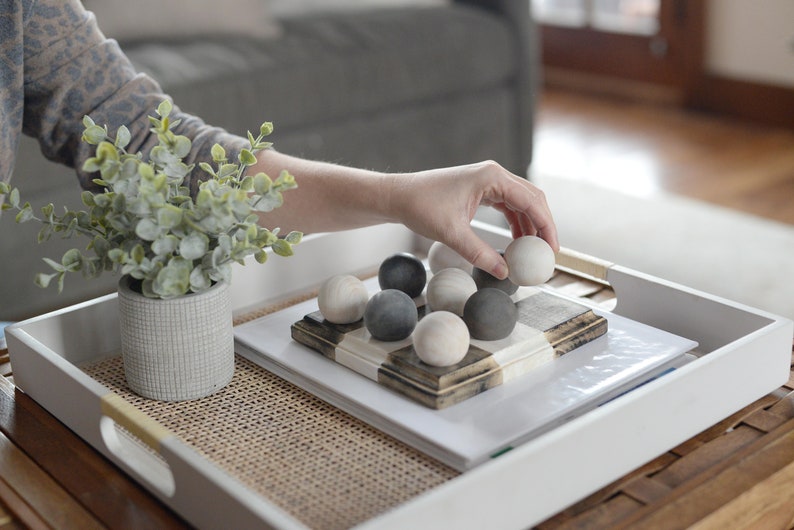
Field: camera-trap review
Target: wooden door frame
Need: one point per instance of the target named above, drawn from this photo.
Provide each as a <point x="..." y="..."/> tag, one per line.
<point x="606" y="58"/>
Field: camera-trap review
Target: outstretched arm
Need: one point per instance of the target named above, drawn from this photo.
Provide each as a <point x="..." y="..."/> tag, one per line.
<point x="438" y="203"/>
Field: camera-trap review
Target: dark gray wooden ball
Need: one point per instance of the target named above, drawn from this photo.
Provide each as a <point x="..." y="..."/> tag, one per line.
<point x="490" y="314"/>
<point x="404" y="272"/>
<point x="390" y="315"/>
<point x="485" y="279"/>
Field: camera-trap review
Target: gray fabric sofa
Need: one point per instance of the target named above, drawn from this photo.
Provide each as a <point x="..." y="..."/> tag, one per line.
<point x="390" y="89"/>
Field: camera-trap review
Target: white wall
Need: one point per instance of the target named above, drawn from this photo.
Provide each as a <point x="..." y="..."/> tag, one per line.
<point x="751" y="40"/>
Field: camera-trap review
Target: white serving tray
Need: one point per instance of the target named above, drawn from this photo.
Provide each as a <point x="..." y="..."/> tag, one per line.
<point x="743" y="349"/>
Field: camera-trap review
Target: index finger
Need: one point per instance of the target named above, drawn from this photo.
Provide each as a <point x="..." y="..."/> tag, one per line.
<point x="528" y="200"/>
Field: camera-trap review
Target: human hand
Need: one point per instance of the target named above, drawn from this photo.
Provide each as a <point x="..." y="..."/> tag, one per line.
<point x="440" y="204"/>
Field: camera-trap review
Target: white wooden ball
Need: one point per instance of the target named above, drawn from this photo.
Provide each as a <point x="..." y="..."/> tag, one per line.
<point x="343" y="299"/>
<point x="449" y="289"/>
<point x="530" y="261"/>
<point x="441" y="257"/>
<point x="441" y="338"/>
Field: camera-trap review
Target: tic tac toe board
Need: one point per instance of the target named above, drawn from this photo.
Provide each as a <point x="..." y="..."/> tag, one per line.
<point x="548" y="326"/>
<point x="486" y="425"/>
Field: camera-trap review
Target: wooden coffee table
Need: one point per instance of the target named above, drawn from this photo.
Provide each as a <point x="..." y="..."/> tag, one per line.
<point x="737" y="473"/>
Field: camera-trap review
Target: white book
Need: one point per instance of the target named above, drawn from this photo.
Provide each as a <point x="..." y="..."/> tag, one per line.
<point x="485" y="426"/>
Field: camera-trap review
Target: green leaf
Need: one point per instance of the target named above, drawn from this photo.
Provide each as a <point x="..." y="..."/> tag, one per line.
<point x="194" y="246"/>
<point x="165" y="245"/>
<point x="138" y="253"/>
<point x="94" y="134"/>
<point x="218" y="153"/>
<point x="4" y="188"/>
<point x="43" y="280"/>
<point x="173" y="279"/>
<point x="260" y="256"/>
<point x="107" y="151"/>
<point x="182" y="146"/>
<point x="199" y="280"/>
<point x="294" y="237"/>
<point x="145" y="171"/>
<point x="147" y="229"/>
<point x="72" y="260"/>
<point x="87" y="198"/>
<point x="122" y="137"/>
<point x="13" y="198"/>
<point x="262" y="183"/>
<point x="102" y="200"/>
<point x="116" y="255"/>
<point x="285" y="180"/>
<point x="54" y="265"/>
<point x="226" y="170"/>
<point x="88" y="122"/>
<point x="282" y="248"/>
<point x="164" y="108"/>
<point x="222" y="273"/>
<point x="44" y="234"/>
<point x="246" y="157"/>
<point x="25" y="214"/>
<point x="207" y="168"/>
<point x="169" y="216"/>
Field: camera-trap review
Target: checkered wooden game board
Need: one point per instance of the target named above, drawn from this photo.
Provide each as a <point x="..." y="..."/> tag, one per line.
<point x="548" y="326"/>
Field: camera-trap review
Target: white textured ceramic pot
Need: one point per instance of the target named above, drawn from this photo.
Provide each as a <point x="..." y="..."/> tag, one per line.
<point x="176" y="349"/>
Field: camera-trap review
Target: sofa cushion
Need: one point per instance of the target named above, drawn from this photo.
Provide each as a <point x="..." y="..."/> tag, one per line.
<point x="333" y="65"/>
<point x="128" y="21"/>
<point x="290" y="8"/>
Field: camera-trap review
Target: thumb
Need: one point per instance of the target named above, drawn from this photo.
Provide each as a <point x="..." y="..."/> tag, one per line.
<point x="481" y="255"/>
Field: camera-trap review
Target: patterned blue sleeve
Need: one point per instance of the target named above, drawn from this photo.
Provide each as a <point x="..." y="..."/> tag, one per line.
<point x="72" y="70"/>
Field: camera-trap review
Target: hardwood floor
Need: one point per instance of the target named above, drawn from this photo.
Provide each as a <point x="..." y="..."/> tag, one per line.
<point x="645" y="149"/>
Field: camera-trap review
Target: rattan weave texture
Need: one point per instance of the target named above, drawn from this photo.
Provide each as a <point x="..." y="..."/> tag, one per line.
<point x="326" y="468"/>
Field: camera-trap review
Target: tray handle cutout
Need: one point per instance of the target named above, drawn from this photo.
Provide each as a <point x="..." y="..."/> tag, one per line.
<point x="135" y="439"/>
<point x="586" y="264"/>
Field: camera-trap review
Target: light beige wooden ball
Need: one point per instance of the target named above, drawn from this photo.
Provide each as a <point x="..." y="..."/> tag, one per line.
<point x="441" y="257"/>
<point x="449" y="289"/>
<point x="530" y="261"/>
<point x="441" y="338"/>
<point x="343" y="299"/>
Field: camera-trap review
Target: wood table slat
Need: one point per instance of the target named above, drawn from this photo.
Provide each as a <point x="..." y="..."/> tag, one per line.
<point x="94" y="482"/>
<point x="45" y="503"/>
<point x="726" y="492"/>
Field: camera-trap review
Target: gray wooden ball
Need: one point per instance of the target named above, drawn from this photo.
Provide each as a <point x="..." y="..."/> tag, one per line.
<point x="490" y="314"/>
<point x="390" y="315"/>
<point x="404" y="272"/>
<point x="485" y="279"/>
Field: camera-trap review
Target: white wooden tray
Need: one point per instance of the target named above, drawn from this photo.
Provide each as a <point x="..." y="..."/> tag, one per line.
<point x="743" y="349"/>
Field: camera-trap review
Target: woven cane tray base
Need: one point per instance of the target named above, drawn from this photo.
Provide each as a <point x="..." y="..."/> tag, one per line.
<point x="326" y="468"/>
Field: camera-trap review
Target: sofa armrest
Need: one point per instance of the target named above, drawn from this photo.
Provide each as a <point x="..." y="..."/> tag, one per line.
<point x="528" y="71"/>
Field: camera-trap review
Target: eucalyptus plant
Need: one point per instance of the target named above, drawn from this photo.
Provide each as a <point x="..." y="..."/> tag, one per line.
<point x="146" y="224"/>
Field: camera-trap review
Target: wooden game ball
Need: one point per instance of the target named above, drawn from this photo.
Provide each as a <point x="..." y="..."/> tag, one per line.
<point x="342" y="299"/>
<point x="390" y="315"/>
<point x="485" y="280"/>
<point x="490" y="314"/>
<point x="449" y="289"/>
<point x="530" y="261"/>
<point x="441" y="257"/>
<point x="441" y="338"/>
<point x="404" y="272"/>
